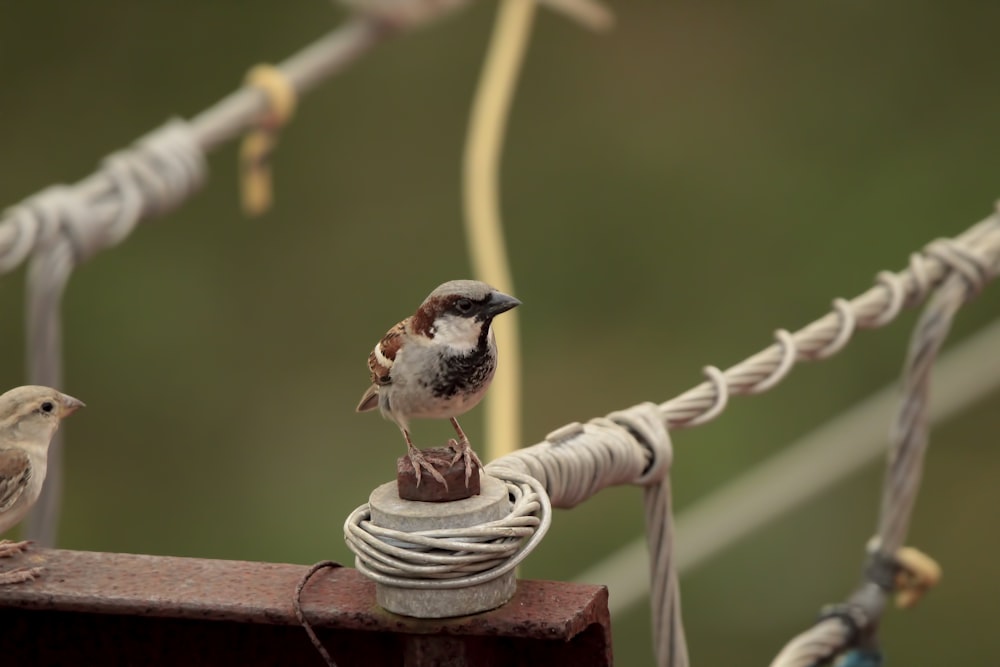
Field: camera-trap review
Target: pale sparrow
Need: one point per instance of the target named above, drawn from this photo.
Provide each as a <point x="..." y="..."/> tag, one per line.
<point x="29" y="417"/>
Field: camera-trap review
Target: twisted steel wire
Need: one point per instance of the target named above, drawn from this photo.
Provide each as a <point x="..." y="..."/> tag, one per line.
<point x="854" y="624"/>
<point x="828" y="335"/>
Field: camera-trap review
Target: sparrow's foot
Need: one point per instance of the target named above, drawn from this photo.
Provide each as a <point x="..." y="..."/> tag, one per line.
<point x="463" y="450"/>
<point x="418" y="461"/>
<point x="9" y="548"/>
<point x="20" y="576"/>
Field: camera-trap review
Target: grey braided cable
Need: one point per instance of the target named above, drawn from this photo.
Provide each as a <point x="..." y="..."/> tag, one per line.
<point x="60" y="230"/>
<point x="910" y="431"/>
<point x="828" y="637"/>
<point x="669" y="639"/>
<point x="971" y="269"/>
<point x="828" y="335"/>
<point x="62" y="226"/>
<point x="638" y="452"/>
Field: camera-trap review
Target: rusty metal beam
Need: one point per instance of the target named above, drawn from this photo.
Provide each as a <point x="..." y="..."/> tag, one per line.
<point x="91" y="608"/>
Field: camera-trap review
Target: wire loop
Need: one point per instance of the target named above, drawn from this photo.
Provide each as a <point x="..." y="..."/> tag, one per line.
<point x="847" y="325"/>
<point x="457" y="557"/>
<point x="788" y="355"/>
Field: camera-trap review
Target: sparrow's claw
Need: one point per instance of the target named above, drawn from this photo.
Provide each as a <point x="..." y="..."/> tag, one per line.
<point x="463" y="450"/>
<point x="20" y="576"/>
<point x="418" y="461"/>
<point x="9" y="548"/>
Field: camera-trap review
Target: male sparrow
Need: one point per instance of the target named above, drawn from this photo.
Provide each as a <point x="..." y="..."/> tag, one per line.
<point x="437" y="364"/>
<point x="29" y="417"/>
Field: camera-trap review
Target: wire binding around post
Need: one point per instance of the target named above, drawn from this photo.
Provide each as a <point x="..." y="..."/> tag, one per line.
<point x="456" y="557"/>
<point x="573" y="464"/>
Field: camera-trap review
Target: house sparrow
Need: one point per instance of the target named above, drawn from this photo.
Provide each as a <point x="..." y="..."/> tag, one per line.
<point x="29" y="417"/>
<point x="437" y="364"/>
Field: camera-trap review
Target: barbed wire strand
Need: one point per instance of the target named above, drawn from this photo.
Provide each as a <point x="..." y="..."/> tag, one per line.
<point x="800" y="472"/>
<point x="65" y="225"/>
<point x="854" y="624"/>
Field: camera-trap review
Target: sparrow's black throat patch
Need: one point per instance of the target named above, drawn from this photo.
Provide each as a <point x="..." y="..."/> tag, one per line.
<point x="461" y="374"/>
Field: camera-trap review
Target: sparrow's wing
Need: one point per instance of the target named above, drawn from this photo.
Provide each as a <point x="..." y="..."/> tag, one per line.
<point x="382" y="357"/>
<point x="380" y="365"/>
<point x="15" y="471"/>
<point x="369" y="401"/>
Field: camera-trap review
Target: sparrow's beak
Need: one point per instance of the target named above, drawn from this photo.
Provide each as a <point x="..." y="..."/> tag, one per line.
<point x="500" y="303"/>
<point x="70" y="404"/>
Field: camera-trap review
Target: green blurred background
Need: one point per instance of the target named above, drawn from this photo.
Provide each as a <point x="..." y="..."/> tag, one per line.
<point x="704" y="174"/>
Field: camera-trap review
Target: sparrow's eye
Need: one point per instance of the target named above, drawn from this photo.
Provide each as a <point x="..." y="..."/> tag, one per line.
<point x="463" y="305"/>
<point x="48" y="407"/>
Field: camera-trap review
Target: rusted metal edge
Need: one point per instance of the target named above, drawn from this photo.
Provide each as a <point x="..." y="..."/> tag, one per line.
<point x="261" y="593"/>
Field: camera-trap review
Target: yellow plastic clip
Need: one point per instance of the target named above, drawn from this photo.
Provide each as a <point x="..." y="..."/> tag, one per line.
<point x="918" y="572"/>
<point x="256" y="192"/>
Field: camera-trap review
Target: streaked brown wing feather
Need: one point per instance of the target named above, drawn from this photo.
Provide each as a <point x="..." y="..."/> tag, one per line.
<point x="15" y="471"/>
<point x="389" y="347"/>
